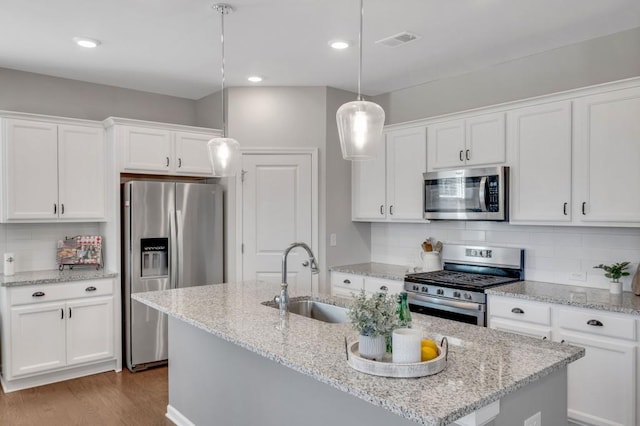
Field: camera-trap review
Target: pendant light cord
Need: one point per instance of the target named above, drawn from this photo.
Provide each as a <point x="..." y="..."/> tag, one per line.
<point x="224" y="114"/>
<point x="360" y="49"/>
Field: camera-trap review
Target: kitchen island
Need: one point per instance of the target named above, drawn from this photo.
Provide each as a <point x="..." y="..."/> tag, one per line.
<point x="233" y="360"/>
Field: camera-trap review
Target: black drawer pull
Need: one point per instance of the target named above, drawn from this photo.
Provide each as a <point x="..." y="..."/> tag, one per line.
<point x="384" y="288"/>
<point x="90" y="288"/>
<point x="544" y="338"/>
<point x="69" y="313"/>
<point x="517" y="311"/>
<point x="595" y="323"/>
<point x="61" y="313"/>
<point x="38" y="294"/>
<point x="347" y="281"/>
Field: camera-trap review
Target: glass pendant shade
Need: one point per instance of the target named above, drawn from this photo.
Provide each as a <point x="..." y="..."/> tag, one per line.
<point x="360" y="126"/>
<point x="224" y="155"/>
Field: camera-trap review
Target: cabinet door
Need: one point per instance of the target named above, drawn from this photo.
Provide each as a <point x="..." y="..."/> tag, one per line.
<point x="37" y="338"/>
<point x="368" y="188"/>
<point x="90" y="330"/>
<point x="446" y="145"/>
<point x="31" y="170"/>
<point x="146" y="149"/>
<point x="406" y="162"/>
<point x="192" y="155"/>
<point x="81" y="171"/>
<point x="602" y="388"/>
<point x="539" y="138"/>
<point x="607" y="157"/>
<point x="485" y="141"/>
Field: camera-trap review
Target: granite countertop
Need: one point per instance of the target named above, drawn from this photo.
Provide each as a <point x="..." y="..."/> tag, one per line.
<point x="484" y="365"/>
<point x="54" y="276"/>
<point x="373" y="269"/>
<point x="582" y="297"/>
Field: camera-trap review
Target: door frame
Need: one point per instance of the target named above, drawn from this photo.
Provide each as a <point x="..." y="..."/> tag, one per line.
<point x="314" y="205"/>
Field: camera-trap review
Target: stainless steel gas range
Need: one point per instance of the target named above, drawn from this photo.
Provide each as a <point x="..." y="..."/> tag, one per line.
<point x="458" y="291"/>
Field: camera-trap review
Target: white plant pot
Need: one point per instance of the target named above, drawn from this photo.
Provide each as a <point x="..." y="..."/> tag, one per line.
<point x="615" y="287"/>
<point x="372" y="347"/>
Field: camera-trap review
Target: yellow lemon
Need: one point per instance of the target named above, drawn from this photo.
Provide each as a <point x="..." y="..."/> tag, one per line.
<point x="429" y="344"/>
<point x="428" y="353"/>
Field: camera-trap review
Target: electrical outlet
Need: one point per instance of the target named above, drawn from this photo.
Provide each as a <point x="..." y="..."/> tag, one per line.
<point x="578" y="276"/>
<point x="533" y="420"/>
<point x="333" y="238"/>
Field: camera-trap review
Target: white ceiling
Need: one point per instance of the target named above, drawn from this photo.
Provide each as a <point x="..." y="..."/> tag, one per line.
<point x="173" y="46"/>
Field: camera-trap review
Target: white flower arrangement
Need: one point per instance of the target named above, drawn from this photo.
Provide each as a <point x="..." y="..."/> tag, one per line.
<point x="373" y="316"/>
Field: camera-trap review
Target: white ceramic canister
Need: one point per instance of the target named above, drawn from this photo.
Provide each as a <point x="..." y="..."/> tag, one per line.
<point x="430" y="261"/>
<point x="407" y="346"/>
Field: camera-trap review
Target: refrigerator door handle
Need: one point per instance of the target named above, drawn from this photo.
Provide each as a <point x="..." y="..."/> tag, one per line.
<point x="173" y="258"/>
<point x="180" y="246"/>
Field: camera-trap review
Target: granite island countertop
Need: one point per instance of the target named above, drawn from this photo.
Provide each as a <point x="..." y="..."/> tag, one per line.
<point x="582" y="297"/>
<point x="484" y="365"/>
<point x="54" y="276"/>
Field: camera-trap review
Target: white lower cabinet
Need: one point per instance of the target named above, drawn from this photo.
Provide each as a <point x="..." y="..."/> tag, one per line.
<point x="345" y="285"/>
<point x="602" y="386"/>
<point x="48" y="330"/>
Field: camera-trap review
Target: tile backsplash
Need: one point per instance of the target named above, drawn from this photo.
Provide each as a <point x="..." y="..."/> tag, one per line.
<point x="563" y="255"/>
<point x="34" y="244"/>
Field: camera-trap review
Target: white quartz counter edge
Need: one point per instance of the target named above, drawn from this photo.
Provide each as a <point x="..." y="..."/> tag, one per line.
<point x="582" y="297"/>
<point x="419" y="413"/>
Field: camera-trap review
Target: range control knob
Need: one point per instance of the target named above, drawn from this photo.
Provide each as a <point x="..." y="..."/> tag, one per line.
<point x="440" y="291"/>
<point x="425" y="289"/>
<point x="467" y="296"/>
<point x="456" y="294"/>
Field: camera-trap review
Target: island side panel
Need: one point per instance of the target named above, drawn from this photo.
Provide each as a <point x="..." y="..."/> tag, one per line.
<point x="214" y="382"/>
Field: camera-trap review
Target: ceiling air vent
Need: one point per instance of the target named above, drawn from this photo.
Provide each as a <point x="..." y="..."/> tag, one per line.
<point x="398" y="39"/>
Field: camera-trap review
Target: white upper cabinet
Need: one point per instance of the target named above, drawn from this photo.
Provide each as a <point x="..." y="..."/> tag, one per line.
<point x="474" y="141"/>
<point x="607" y="158"/>
<point x="52" y="172"/>
<point x="388" y="188"/>
<point x="539" y="138"/>
<point x="160" y="148"/>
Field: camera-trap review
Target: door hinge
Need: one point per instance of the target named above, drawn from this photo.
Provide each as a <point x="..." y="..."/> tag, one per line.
<point x="242" y="174"/>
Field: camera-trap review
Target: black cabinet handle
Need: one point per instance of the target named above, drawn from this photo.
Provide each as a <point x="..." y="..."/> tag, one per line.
<point x="347" y="281"/>
<point x="179" y="162"/>
<point x="38" y="294"/>
<point x="381" y="209"/>
<point x="595" y="323"/>
<point x="384" y="288"/>
<point x="468" y="155"/>
<point x="517" y="311"/>
<point x="460" y="156"/>
<point x="167" y="161"/>
<point x="90" y="288"/>
<point x="55" y="208"/>
<point x="62" y="208"/>
<point x="544" y="338"/>
<point x="584" y="204"/>
<point x="562" y="341"/>
<point x="564" y="209"/>
<point x="61" y="313"/>
<point x="69" y="313"/>
<point x="391" y="210"/>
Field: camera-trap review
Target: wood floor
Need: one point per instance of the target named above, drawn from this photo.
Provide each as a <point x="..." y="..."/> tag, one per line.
<point x="103" y="399"/>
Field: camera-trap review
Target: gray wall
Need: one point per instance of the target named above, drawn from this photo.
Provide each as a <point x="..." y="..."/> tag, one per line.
<point x="209" y="110"/>
<point x="41" y="94"/>
<point x="600" y="60"/>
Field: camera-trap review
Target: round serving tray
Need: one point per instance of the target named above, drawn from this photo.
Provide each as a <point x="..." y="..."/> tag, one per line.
<point x="386" y="368"/>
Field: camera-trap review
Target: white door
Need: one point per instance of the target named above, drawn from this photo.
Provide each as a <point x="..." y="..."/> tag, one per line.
<point x="406" y="162"/>
<point x="540" y="141"/>
<point x="368" y="188"/>
<point x="37" y="338"/>
<point x="146" y="149"/>
<point x="81" y="152"/>
<point x="485" y="140"/>
<point x="192" y="155"/>
<point x="276" y="211"/>
<point x="31" y="162"/>
<point x="90" y="330"/>
<point x="607" y="157"/>
<point x="446" y="144"/>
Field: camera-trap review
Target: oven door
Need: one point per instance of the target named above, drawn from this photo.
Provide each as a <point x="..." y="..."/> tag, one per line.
<point x="469" y="194"/>
<point x="468" y="312"/>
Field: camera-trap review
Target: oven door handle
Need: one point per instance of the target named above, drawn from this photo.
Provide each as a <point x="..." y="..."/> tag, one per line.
<point x="460" y="306"/>
<point x="482" y="193"/>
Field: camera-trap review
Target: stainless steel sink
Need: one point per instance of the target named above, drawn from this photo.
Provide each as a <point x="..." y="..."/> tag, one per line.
<point x="314" y="309"/>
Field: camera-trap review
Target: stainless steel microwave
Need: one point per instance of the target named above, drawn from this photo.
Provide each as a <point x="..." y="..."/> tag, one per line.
<point x="468" y="194"/>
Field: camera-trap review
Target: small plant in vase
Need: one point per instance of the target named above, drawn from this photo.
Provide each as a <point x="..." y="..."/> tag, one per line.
<point x="373" y="318"/>
<point x="615" y="272"/>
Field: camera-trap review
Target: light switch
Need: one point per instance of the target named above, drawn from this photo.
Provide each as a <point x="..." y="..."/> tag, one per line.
<point x="333" y="240"/>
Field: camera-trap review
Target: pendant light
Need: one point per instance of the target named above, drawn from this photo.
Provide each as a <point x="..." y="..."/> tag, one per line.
<point x="360" y="122"/>
<point x="224" y="152"/>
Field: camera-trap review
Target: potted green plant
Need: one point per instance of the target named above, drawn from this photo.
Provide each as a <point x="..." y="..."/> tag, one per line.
<point x="373" y="317"/>
<point x="615" y="272"/>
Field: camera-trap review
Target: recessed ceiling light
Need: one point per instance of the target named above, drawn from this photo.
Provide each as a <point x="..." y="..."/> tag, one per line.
<point x="255" y="79"/>
<point x="89" y="43"/>
<point x="338" y="44"/>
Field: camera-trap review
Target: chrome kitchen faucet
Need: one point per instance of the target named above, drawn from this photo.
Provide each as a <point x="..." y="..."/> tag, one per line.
<point x="283" y="299"/>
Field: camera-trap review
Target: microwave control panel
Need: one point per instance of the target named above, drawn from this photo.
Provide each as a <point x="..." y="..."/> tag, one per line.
<point x="493" y="201"/>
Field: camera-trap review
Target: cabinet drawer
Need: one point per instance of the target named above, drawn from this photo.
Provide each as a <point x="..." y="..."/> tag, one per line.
<point x="63" y="291"/>
<point x="374" y="285"/>
<point x="595" y="322"/>
<point x="349" y="282"/>
<point x="520" y="310"/>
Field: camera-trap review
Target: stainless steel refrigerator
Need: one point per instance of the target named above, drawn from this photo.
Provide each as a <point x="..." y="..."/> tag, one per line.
<point x="173" y="238"/>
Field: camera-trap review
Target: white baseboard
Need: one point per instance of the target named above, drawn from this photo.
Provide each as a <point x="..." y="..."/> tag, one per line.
<point x="177" y="418"/>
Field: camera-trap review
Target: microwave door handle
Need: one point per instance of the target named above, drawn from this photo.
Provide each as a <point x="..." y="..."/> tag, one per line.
<point x="482" y="193"/>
